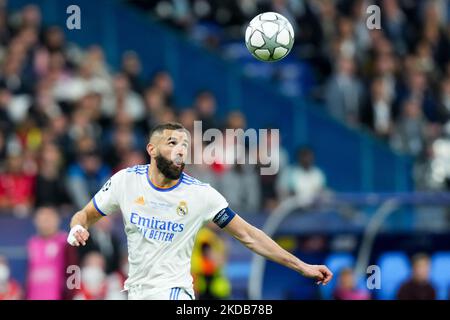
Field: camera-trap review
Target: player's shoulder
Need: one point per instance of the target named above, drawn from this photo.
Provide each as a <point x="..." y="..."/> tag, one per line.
<point x="130" y="172"/>
<point x="191" y="181"/>
<point x="140" y="169"/>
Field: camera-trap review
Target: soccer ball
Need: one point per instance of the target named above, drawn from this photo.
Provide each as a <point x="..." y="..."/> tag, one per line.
<point x="269" y="36"/>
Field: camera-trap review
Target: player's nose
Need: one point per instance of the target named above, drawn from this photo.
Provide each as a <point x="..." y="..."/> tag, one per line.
<point x="179" y="153"/>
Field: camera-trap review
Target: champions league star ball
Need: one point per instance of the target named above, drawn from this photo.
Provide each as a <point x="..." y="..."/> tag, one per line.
<point x="269" y="36"/>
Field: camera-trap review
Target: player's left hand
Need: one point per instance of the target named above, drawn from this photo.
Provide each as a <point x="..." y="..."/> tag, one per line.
<point x="321" y="273"/>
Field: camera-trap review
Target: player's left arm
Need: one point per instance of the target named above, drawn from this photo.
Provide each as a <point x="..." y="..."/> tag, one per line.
<point x="260" y="243"/>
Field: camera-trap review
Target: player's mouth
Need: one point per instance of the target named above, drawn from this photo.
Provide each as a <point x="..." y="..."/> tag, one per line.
<point x="178" y="162"/>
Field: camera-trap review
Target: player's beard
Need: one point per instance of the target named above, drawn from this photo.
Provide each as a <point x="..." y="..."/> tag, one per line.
<point x="167" y="168"/>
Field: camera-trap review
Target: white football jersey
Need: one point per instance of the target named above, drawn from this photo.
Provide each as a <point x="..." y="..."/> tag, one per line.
<point x="160" y="224"/>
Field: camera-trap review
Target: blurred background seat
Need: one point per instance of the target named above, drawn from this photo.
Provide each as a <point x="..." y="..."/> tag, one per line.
<point x="440" y="274"/>
<point x="395" y="269"/>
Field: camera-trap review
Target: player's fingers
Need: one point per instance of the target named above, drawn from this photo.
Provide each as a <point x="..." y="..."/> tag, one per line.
<point x="328" y="278"/>
<point x="319" y="277"/>
<point x="85" y="235"/>
<point x="328" y="275"/>
<point x="79" y="238"/>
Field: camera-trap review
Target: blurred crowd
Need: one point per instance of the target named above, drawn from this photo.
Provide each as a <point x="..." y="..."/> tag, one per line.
<point x="393" y="82"/>
<point x="68" y="122"/>
<point x="417" y="286"/>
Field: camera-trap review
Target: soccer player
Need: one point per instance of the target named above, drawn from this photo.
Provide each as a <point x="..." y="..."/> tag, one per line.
<point x="163" y="208"/>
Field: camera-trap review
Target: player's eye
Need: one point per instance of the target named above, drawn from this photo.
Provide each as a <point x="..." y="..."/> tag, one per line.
<point x="172" y="143"/>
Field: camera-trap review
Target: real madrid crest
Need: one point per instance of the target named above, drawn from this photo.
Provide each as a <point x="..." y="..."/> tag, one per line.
<point x="182" y="209"/>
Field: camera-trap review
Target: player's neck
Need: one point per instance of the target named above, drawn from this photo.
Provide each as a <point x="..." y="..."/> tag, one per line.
<point x="159" y="180"/>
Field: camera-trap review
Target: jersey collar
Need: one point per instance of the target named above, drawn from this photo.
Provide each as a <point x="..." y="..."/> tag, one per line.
<point x="163" y="189"/>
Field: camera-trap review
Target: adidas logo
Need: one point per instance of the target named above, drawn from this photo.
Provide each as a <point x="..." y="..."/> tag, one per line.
<point x="140" y="200"/>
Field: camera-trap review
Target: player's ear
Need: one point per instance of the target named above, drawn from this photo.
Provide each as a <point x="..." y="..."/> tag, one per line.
<point x="151" y="150"/>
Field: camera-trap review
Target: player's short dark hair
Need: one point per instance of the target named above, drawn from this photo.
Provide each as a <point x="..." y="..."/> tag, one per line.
<point x="165" y="126"/>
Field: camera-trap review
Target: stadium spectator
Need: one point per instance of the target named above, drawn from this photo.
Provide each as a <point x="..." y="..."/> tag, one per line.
<point x="208" y="258"/>
<point x="163" y="82"/>
<point x="344" y="92"/>
<point x="132" y="158"/>
<point x="11" y="75"/>
<point x="123" y="99"/>
<point x="154" y="105"/>
<point x="3" y="147"/>
<point x="205" y="106"/>
<point x="10" y="289"/>
<point x="410" y="132"/>
<point x="86" y="177"/>
<point x="50" y="188"/>
<point x="16" y="186"/>
<point x="187" y="118"/>
<point x="417" y="88"/>
<point x="395" y="24"/>
<point x="231" y="149"/>
<point x="56" y="133"/>
<point x="378" y="112"/>
<point x="54" y="40"/>
<point x="31" y="17"/>
<point x="444" y="101"/>
<point x="240" y="186"/>
<point x="5" y="32"/>
<point x="386" y="70"/>
<point x="418" y="287"/>
<point x="95" y="284"/>
<point x="6" y="123"/>
<point x="278" y="160"/>
<point x="131" y="68"/>
<point x="123" y="142"/>
<point x="82" y="127"/>
<point x="48" y="258"/>
<point x="304" y="180"/>
<point x="347" y="289"/>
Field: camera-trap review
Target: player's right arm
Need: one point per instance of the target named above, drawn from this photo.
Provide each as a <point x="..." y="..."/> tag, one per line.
<point x="80" y="223"/>
<point x="104" y="203"/>
<point x="257" y="241"/>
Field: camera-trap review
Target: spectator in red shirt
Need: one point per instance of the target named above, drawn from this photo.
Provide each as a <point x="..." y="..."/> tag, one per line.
<point x="16" y="187"/>
<point x="9" y="288"/>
